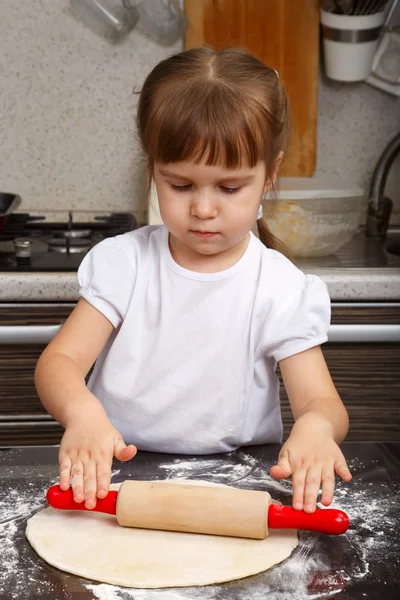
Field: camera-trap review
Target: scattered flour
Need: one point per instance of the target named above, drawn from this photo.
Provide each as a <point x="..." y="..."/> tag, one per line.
<point x="321" y="566"/>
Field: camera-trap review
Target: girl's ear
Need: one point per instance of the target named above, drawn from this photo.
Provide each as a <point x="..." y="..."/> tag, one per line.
<point x="271" y="180"/>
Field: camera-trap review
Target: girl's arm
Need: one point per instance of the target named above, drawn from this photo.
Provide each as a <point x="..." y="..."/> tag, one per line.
<point x="89" y="441"/>
<point x="311" y="454"/>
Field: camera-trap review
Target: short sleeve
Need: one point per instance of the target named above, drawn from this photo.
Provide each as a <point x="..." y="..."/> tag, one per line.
<point x="106" y="280"/>
<point x="300" y="321"/>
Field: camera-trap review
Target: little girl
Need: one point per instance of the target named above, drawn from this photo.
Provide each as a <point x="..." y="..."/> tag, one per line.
<point x="187" y="321"/>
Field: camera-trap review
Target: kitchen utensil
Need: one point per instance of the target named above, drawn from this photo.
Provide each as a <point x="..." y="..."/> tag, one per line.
<point x="370" y="7"/>
<point x="202" y="509"/>
<point x="22" y="247"/>
<point x="329" y="5"/>
<point x="110" y="18"/>
<point x="285" y="36"/>
<point x="346" y="6"/>
<point x="163" y="20"/>
<point x="353" y="7"/>
<point x="385" y="71"/>
<point x="314" y="217"/>
<point x="8" y="204"/>
<point x="350" y="43"/>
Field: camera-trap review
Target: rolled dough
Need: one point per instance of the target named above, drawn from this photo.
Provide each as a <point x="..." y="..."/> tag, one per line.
<point x="95" y="546"/>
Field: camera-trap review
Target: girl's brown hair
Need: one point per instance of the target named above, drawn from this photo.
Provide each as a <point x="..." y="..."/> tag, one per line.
<point x="222" y="107"/>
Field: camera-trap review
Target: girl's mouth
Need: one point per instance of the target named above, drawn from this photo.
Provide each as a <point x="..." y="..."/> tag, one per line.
<point x="204" y="234"/>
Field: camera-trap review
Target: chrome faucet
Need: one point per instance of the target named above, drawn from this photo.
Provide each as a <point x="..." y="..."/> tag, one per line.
<point x="380" y="206"/>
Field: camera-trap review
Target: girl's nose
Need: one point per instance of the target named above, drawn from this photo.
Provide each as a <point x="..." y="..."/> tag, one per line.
<point x="203" y="207"/>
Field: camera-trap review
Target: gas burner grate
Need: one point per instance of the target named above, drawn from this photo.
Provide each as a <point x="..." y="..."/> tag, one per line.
<point x="18" y="225"/>
<point x="56" y="246"/>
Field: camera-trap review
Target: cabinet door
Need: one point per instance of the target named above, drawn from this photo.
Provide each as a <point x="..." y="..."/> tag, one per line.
<point x="284" y="35"/>
<point x="366" y="376"/>
<point x="23" y="419"/>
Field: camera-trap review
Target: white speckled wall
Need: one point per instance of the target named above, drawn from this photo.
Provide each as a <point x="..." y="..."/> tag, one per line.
<point x="67" y="135"/>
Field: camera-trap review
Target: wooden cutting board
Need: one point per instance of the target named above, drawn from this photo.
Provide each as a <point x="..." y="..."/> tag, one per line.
<point x="284" y="34"/>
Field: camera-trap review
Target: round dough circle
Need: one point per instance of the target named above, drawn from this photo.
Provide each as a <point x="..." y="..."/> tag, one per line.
<point x="95" y="546"/>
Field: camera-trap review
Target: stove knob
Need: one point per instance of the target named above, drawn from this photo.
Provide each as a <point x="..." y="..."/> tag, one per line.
<point x="23" y="247"/>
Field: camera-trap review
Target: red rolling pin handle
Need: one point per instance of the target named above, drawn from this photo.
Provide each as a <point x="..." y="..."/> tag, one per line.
<point x="58" y="498"/>
<point x="329" y="520"/>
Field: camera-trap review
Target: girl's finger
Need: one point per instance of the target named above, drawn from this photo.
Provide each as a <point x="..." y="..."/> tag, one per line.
<point x="65" y="471"/>
<point x="89" y="483"/>
<point x="77" y="480"/>
<point x="342" y="469"/>
<point x="103" y="478"/>
<point x="282" y="469"/>
<point x="298" y="484"/>
<point x="311" y="490"/>
<point x="328" y="484"/>
<point x="122" y="451"/>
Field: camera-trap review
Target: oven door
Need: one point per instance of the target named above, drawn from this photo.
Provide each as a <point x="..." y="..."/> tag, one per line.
<point x="25" y="330"/>
<point x="363" y="356"/>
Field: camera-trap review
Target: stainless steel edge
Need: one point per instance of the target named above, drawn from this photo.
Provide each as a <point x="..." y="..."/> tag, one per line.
<point x="29" y="425"/>
<point x="364" y="333"/>
<point x="43" y="334"/>
<point x="37" y="304"/>
<point x="351" y="36"/>
<point x="25" y="417"/>
<point x="337" y="304"/>
<point x="28" y="334"/>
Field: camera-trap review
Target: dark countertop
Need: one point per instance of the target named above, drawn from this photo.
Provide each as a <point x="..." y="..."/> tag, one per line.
<point x="363" y="563"/>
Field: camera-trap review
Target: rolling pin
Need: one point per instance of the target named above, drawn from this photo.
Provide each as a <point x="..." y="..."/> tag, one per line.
<point x="202" y="509"/>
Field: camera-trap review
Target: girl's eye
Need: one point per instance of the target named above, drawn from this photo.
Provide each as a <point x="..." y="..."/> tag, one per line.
<point x="230" y="190"/>
<point x="187" y="187"/>
<point x="181" y="188"/>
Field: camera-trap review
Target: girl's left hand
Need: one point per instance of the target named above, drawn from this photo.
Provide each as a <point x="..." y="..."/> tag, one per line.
<point x="311" y="460"/>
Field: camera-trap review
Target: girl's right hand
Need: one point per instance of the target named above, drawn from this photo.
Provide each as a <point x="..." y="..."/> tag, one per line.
<point x="85" y="458"/>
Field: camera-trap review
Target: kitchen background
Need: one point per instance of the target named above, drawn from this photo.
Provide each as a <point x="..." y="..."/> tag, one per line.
<point x="67" y="125"/>
<point x="68" y="142"/>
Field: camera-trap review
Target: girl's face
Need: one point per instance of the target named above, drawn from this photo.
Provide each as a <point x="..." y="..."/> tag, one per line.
<point x="208" y="210"/>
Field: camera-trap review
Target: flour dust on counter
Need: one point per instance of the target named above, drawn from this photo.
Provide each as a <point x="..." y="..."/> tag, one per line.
<point x="20" y="500"/>
<point x="321" y="566"/>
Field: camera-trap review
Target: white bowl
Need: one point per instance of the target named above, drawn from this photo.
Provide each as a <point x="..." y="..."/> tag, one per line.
<point x="314" y="218"/>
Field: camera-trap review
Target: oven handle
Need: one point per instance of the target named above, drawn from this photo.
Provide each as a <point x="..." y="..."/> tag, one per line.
<point x="43" y="334"/>
<point x="28" y="334"/>
<point x="364" y="334"/>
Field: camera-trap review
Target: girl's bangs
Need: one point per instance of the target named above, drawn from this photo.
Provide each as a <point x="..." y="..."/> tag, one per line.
<point x="217" y="134"/>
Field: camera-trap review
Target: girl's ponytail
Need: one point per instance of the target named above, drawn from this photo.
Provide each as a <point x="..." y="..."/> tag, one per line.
<point x="269" y="239"/>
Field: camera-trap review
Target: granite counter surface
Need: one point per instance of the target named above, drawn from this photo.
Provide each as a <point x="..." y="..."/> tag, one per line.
<point x="361" y="271"/>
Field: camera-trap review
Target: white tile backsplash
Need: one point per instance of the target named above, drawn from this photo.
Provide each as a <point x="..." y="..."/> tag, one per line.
<point x="67" y="127"/>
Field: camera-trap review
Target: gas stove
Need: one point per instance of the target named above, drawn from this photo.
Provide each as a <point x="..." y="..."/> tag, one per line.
<point x="32" y="243"/>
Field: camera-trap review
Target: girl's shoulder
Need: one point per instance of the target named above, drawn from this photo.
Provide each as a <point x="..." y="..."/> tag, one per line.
<point x="123" y="254"/>
<point x="278" y="270"/>
<point x="140" y="239"/>
<point x="108" y="272"/>
<point x="135" y="244"/>
<point x="282" y="283"/>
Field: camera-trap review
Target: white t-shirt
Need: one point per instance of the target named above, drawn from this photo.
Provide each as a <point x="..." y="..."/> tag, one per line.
<point x="190" y="367"/>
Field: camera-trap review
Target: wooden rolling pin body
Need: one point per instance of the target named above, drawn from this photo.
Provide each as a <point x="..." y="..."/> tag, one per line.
<point x="193" y="508"/>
